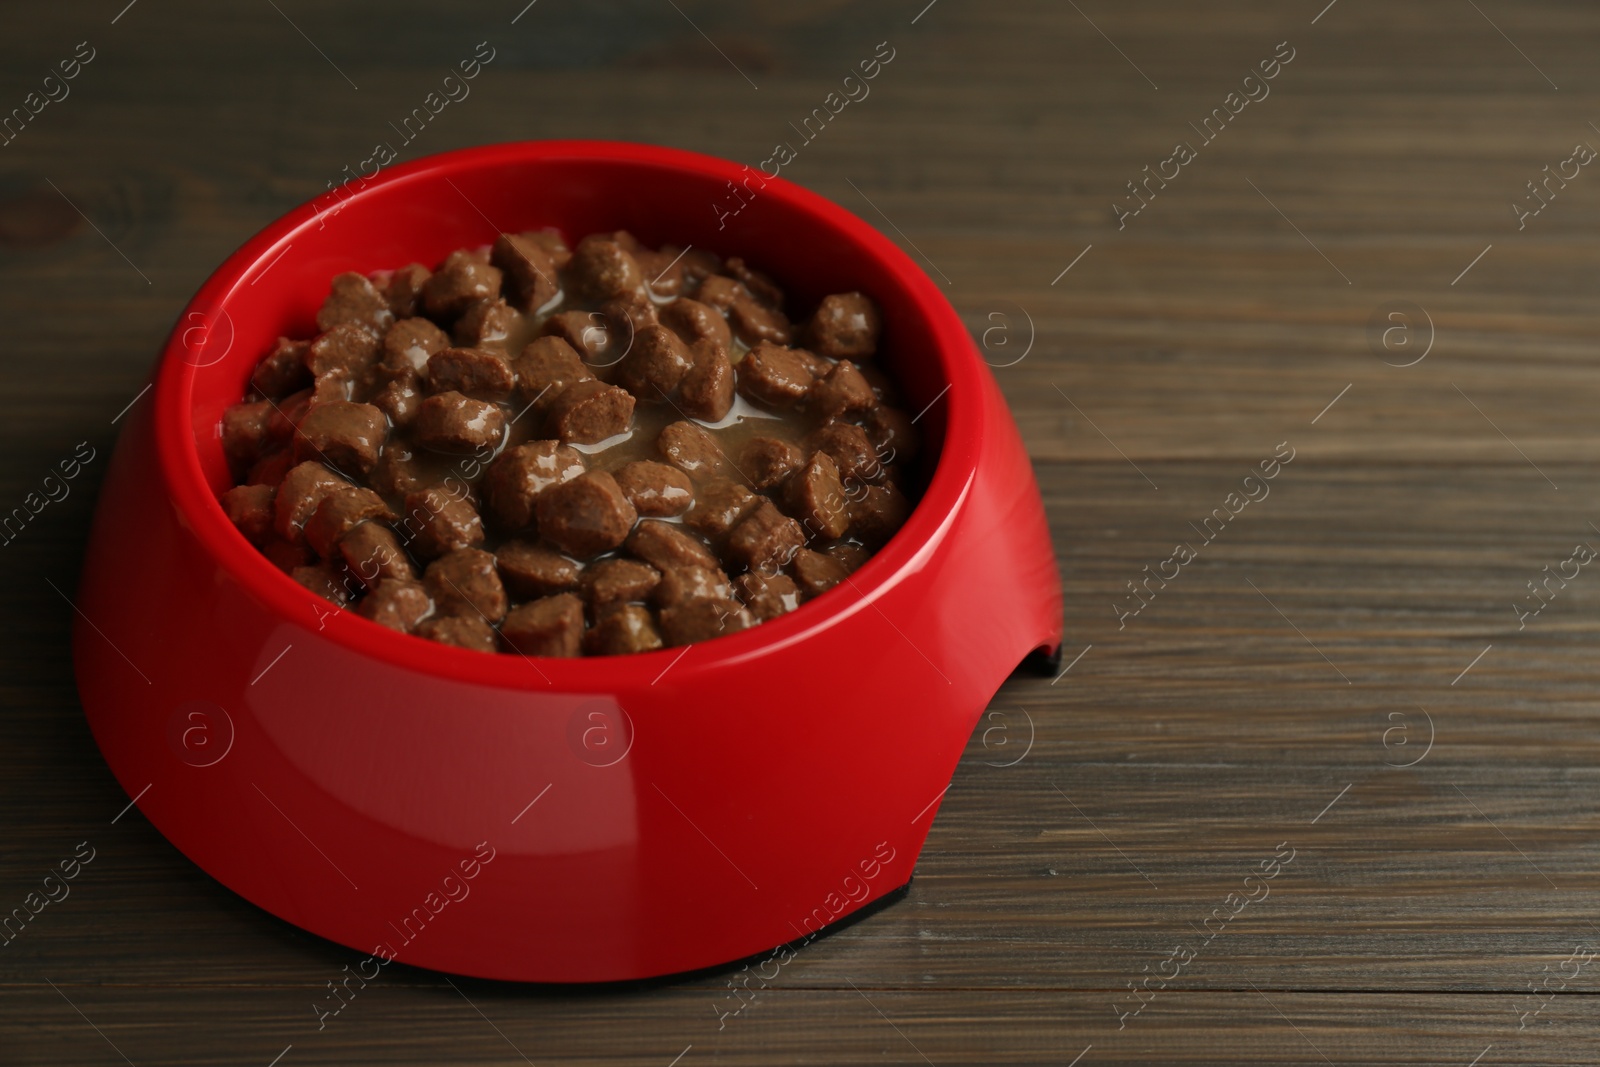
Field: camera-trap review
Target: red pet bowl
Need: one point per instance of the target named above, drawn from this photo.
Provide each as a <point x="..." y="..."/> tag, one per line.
<point x="550" y="819"/>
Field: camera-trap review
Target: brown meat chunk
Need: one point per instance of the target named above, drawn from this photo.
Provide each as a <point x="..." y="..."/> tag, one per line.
<point x="754" y="322"/>
<point x="488" y="323"/>
<point x="590" y="412"/>
<point x="248" y="431"/>
<point x="665" y="545"/>
<point x="534" y="571"/>
<point x="400" y="399"/>
<point x="624" y="629"/>
<point x="773" y="375"/>
<point x="552" y="626"/>
<point x="719" y="507"/>
<point x="655" y="364"/>
<point x="298" y="497"/>
<point x="474" y="371"/>
<point x="851" y="450"/>
<point x="816" y="573"/>
<point x="283" y="370"/>
<point x="461" y="281"/>
<point x="450" y="422"/>
<point x="271" y="468"/>
<point x="694" y="321"/>
<point x="530" y="274"/>
<point x="287" y="556"/>
<point x="601" y="269"/>
<point x="680" y="584"/>
<point x="588" y="333"/>
<point x="845" y="326"/>
<point x="372" y="553"/>
<point x="403" y="289"/>
<point x="397" y="472"/>
<point x="629" y="314"/>
<point x="767" y="461"/>
<point x="324" y="580"/>
<point x="339" y="513"/>
<point x="618" y="581"/>
<point x="696" y="264"/>
<point x="585" y="516"/>
<point x="851" y="557"/>
<point x="878" y="512"/>
<point x="892" y="433"/>
<point x="465" y="582"/>
<point x="354" y="299"/>
<point x="706" y="392"/>
<point x="762" y="287"/>
<point x="815" y="497"/>
<point x="346" y="436"/>
<point x="655" y="489"/>
<point x="692" y="450"/>
<point x="518" y="475"/>
<point x="396" y="603"/>
<point x="461" y="631"/>
<point x="662" y="271"/>
<point x="721" y="292"/>
<point x="249" y="507"/>
<point x="768" y="595"/>
<point x="842" y="392"/>
<point x="436" y="522"/>
<point x="546" y="367"/>
<point x="766" y="540"/>
<point x="349" y="350"/>
<point x="554" y="245"/>
<point x="409" y="343"/>
<point x="701" y="620"/>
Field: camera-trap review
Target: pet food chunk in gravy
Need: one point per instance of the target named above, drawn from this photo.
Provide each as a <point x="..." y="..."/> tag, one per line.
<point x="692" y="450"/>
<point x="249" y="431"/>
<point x="403" y="289"/>
<point x="845" y="326"/>
<point x="655" y="364"/>
<point x="586" y="332"/>
<point x="396" y="603"/>
<point x="627" y="315"/>
<point x="400" y="399"/>
<point x="701" y="620"/>
<point x="451" y="422"/>
<point x="530" y="570"/>
<point x="877" y="513"/>
<point x="706" y="392"/>
<point x="348" y="350"/>
<point x="342" y="434"/>
<point x="851" y="451"/>
<point x="721" y="292"/>
<point x="665" y="545"/>
<point x="754" y="322"/>
<point x="718" y="508"/>
<point x="249" y="507"/>
<point x="766" y="539"/>
<point x="760" y="285"/>
<point x="479" y="372"/>
<point x="283" y="370"/>
<point x="303" y="489"/>
<point x="486" y="324"/>
<point x="550" y="626"/>
<point x="623" y="629"/>
<point x="773" y="375"/>
<point x="518" y="475"/>
<point x="680" y="584"/>
<point x="843" y="391"/>
<point x="546" y="366"/>
<point x="586" y="516"/>
<point x="460" y="631"/>
<point x="467" y="582"/>
<point x="655" y="489"/>
<point x="618" y="581"/>
<point x="815" y="496"/>
<point x="694" y="321"/>
<point x="530" y="273"/>
<point x="339" y="513"/>
<point x="892" y="433"/>
<point x="816" y="573"/>
<point x="372" y="553"/>
<point x="767" y="595"/>
<point x="353" y="299"/>
<point x="601" y="269"/>
<point x="587" y="413"/>
<point x="408" y="344"/>
<point x="767" y="461"/>
<point x="462" y="280"/>
<point x="436" y="521"/>
<point x="324" y="580"/>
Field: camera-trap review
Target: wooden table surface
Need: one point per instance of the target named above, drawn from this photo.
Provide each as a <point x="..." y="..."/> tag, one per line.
<point x="1340" y="675"/>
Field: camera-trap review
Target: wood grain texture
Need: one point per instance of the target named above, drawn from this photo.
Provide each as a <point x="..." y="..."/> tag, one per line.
<point x="1357" y="619"/>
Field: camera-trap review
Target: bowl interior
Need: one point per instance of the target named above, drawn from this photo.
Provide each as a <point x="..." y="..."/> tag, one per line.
<point x="422" y="211"/>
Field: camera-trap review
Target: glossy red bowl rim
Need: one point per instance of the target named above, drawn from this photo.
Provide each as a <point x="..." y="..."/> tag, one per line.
<point x="956" y="361"/>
